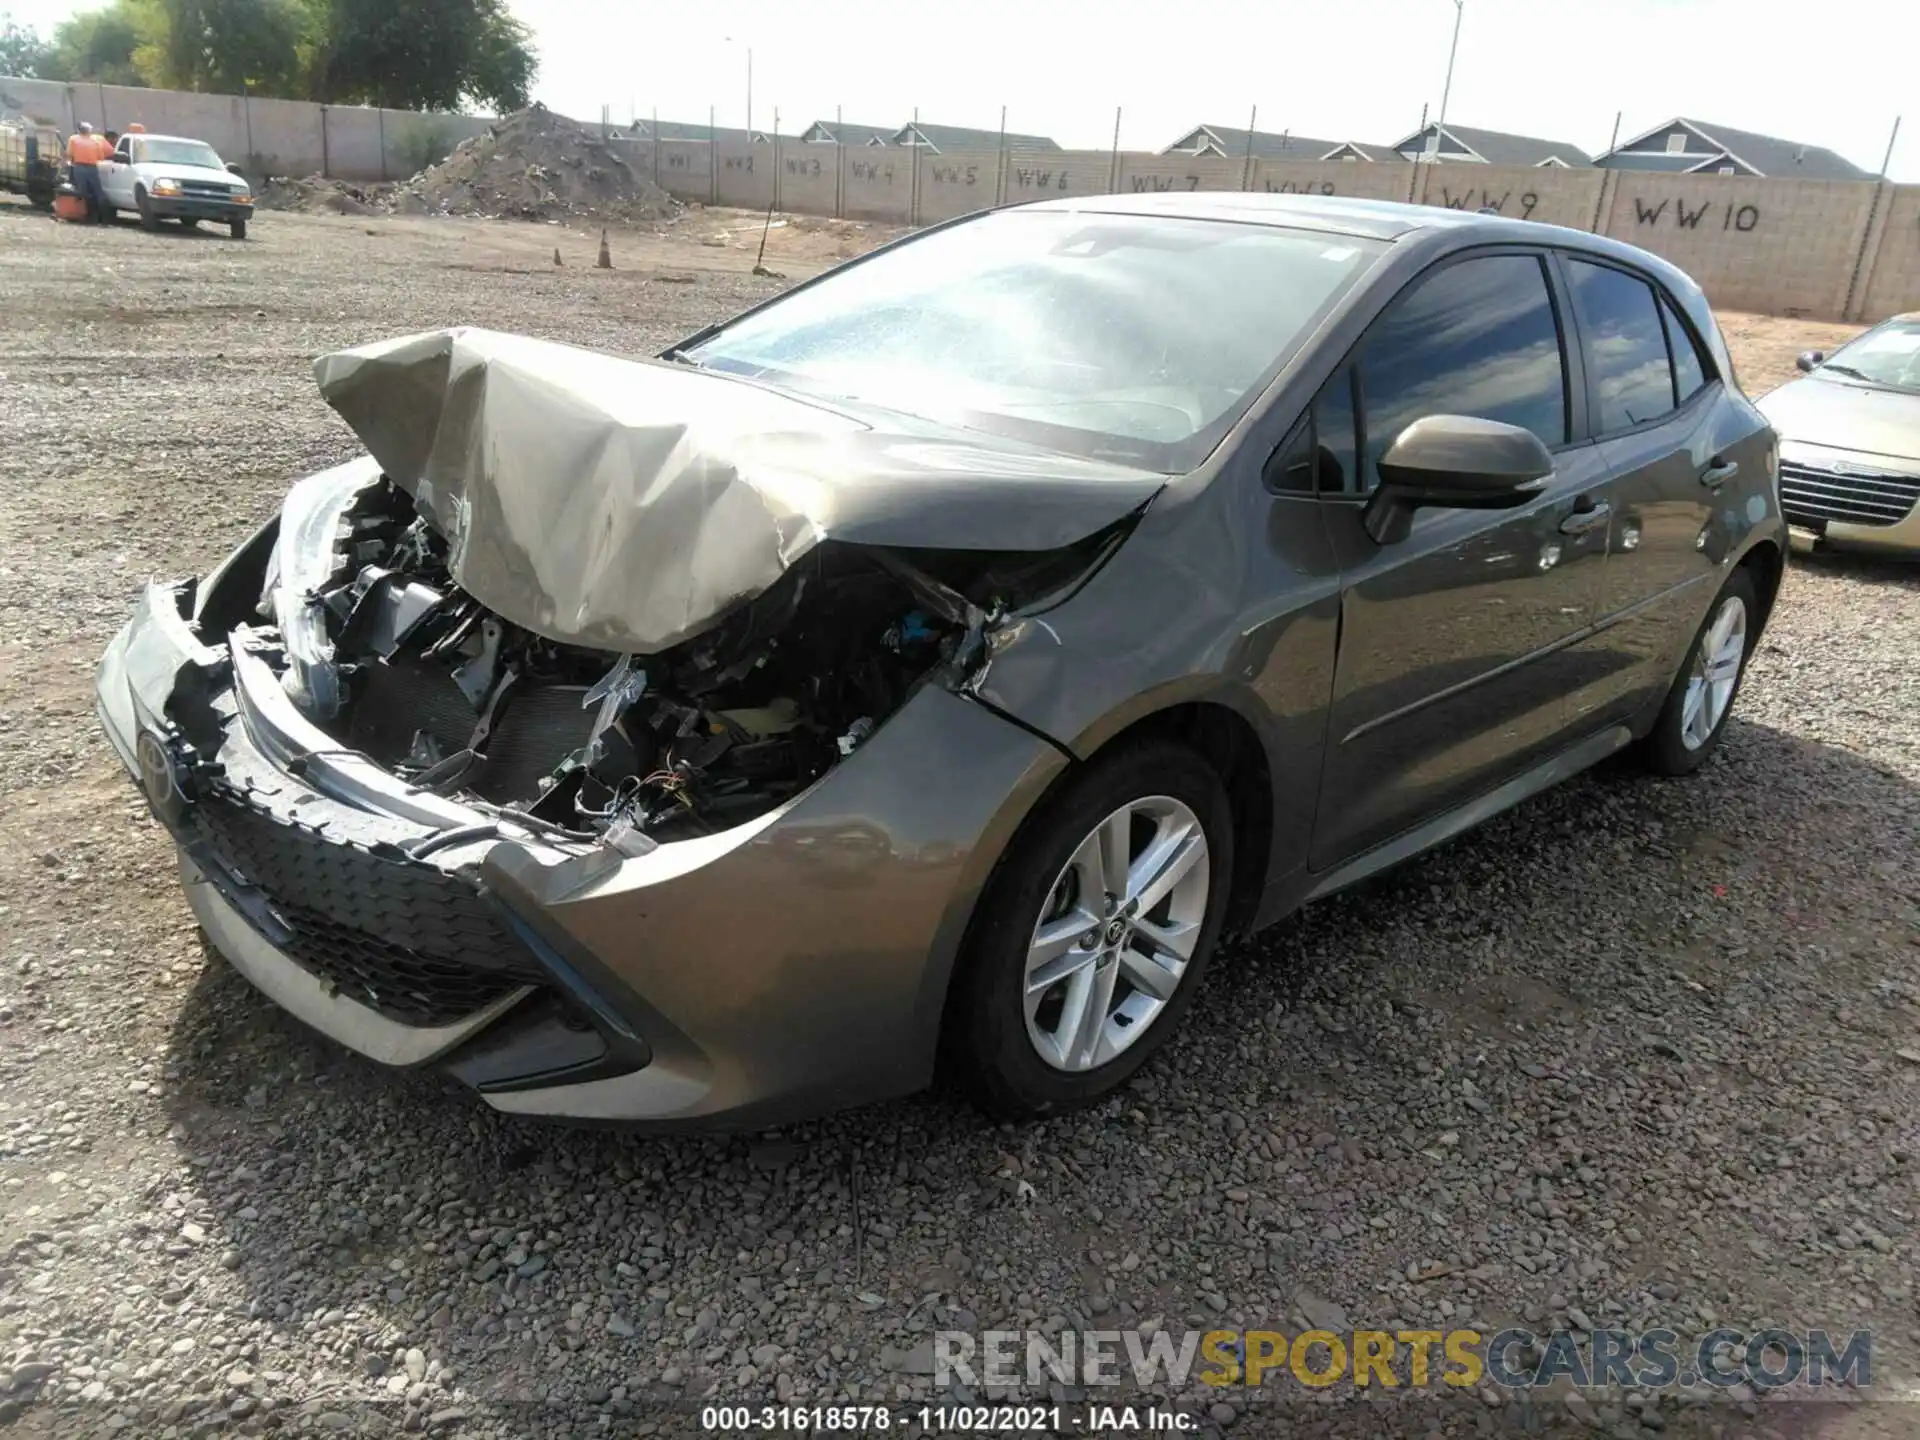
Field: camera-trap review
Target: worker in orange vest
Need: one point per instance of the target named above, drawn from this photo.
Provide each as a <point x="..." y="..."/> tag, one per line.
<point x="85" y="151"/>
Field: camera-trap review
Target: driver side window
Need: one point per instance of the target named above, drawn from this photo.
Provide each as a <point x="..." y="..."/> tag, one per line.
<point x="123" y="154"/>
<point x="1477" y="337"/>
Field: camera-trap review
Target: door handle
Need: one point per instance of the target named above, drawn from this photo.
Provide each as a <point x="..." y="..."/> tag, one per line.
<point x="1719" y="472"/>
<point x="1591" y="518"/>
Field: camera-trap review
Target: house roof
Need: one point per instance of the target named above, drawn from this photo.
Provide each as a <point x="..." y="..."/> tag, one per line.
<point x="965" y="137"/>
<point x="1381" y="153"/>
<point x="1768" y="154"/>
<point x="1499" y="147"/>
<point x="846" y="132"/>
<point x="694" y="130"/>
<point x="1266" y="144"/>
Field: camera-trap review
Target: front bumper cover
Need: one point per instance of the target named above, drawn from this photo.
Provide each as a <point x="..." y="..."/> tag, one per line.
<point x="197" y="207"/>
<point x="792" y="965"/>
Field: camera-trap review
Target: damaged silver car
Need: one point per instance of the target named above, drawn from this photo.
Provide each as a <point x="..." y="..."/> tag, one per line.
<point x="931" y="663"/>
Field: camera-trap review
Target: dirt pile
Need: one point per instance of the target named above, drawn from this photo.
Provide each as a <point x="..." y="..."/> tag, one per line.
<point x="533" y="165"/>
<point x="317" y="195"/>
<point x="536" y="165"/>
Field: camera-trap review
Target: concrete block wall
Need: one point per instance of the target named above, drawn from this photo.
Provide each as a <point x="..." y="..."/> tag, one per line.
<point x="1785" y="246"/>
<point x="1889" y="282"/>
<point x="1549" y="194"/>
<point x="1824" y="249"/>
<point x="1333" y="177"/>
<point x="263" y="137"/>
<point x="809" y="177"/>
<point x="958" y="183"/>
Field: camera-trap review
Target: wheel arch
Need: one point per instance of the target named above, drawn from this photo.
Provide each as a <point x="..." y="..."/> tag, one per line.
<point x="1765" y="562"/>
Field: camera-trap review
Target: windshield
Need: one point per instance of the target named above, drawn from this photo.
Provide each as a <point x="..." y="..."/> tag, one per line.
<point x="176" y="152"/>
<point x="1131" y="338"/>
<point x="1888" y="355"/>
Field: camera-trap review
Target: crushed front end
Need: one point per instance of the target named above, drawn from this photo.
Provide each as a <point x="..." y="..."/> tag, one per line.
<point x="723" y="883"/>
<point x="610" y="734"/>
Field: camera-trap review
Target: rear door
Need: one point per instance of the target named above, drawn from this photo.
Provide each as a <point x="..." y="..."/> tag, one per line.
<point x="1453" y="664"/>
<point x="1651" y="403"/>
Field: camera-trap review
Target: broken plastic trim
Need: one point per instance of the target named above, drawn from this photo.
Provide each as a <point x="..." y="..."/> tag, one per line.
<point x="305" y="557"/>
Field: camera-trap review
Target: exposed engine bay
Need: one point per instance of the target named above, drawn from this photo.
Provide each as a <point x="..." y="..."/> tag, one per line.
<point x="430" y="684"/>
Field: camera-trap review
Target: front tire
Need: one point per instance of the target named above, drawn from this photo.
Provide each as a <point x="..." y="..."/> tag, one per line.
<point x="1696" y="710"/>
<point x="1093" y="934"/>
<point x="148" y="220"/>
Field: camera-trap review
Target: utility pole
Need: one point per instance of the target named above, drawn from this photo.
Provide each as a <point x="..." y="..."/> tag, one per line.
<point x="1446" y="91"/>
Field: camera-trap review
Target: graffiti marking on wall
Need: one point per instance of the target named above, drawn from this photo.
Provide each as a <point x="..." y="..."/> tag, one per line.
<point x="1685" y="217"/>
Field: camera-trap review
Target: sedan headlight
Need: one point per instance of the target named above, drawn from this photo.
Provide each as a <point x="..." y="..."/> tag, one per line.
<point x="166" y="187"/>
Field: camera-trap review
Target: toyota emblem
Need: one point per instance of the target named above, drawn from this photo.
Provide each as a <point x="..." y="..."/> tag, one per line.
<point x="158" y="775"/>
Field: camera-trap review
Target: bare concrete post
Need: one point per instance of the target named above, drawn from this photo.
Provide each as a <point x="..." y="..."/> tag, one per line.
<point x="1246" y="165"/>
<point x="1113" y="166"/>
<point x="913" y="179"/>
<point x="1000" y="163"/>
<point x="326" y="160"/>
<point x="1413" y="160"/>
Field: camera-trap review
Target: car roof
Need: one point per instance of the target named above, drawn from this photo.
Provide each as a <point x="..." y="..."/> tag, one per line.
<point x="1374" y="219"/>
<point x="148" y="135"/>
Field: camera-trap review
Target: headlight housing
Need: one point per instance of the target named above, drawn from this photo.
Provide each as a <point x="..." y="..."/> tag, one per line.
<point x="166" y="187"/>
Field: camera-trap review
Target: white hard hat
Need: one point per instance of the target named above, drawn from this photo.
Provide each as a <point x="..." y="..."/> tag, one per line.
<point x="86" y="127"/>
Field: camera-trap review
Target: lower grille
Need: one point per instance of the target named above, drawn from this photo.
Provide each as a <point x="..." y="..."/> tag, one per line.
<point x="401" y="984"/>
<point x="1811" y="496"/>
<point x="410" y="941"/>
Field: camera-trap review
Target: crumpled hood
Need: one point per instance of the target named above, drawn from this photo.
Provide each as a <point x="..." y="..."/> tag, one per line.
<point x="1845" y="417"/>
<point x="629" y="505"/>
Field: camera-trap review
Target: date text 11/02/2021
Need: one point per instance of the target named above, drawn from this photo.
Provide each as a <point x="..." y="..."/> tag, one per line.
<point x="948" y="1419"/>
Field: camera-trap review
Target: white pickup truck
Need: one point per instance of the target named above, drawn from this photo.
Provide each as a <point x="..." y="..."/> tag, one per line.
<point x="169" y="177"/>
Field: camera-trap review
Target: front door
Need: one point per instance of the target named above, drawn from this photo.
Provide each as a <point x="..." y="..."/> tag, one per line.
<point x="1455" y="642"/>
<point x="116" y="178"/>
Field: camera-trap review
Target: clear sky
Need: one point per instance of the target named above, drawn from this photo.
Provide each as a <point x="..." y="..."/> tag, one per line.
<point x="1827" y="74"/>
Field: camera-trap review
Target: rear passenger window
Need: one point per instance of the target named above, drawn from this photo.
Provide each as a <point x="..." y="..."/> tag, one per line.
<point x="1689" y="371"/>
<point x="1625" y="345"/>
<point x="1475" y="338"/>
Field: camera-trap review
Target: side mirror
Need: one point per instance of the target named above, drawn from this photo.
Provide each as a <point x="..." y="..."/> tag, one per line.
<point x="1811" y="360"/>
<point x="235" y="170"/>
<point x="1457" y="462"/>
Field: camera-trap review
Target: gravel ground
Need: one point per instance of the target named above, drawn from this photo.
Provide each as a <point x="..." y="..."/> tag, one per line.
<point x="1638" y="1053"/>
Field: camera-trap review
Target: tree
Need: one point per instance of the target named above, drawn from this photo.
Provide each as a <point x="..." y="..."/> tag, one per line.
<point x="226" y="46"/>
<point x="98" y="45"/>
<point x="22" y="52"/>
<point x="422" y="54"/>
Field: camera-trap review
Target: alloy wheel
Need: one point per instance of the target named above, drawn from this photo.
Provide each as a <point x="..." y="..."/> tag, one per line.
<point x="1716" y="670"/>
<point x="1116" y="934"/>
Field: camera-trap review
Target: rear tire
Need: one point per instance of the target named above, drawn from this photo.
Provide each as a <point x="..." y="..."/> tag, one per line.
<point x="237" y="229"/>
<point x="1040" y="1024"/>
<point x="1694" y="716"/>
<point x="189" y="222"/>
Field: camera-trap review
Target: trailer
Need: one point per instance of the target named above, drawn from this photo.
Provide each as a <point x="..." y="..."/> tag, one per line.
<point x="29" y="159"/>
